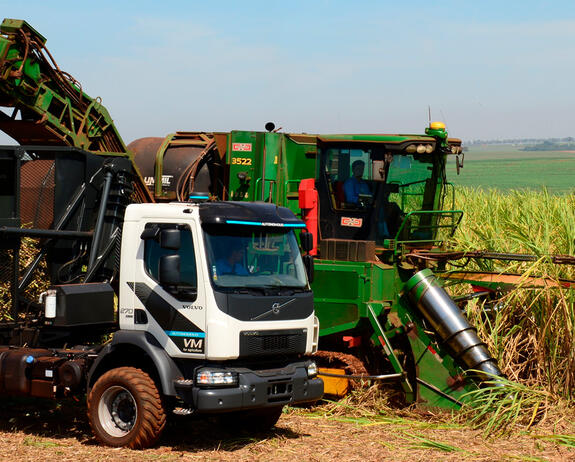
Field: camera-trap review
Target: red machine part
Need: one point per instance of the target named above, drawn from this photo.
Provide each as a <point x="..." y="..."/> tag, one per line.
<point x="352" y="342"/>
<point x="308" y="203"/>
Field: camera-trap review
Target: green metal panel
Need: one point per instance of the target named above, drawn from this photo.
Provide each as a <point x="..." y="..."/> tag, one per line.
<point x="336" y="316"/>
<point x="12" y="26"/>
<point x="339" y="286"/>
<point x="271" y="184"/>
<point x="384" y="282"/>
<point x="339" y="295"/>
<point x="245" y="158"/>
<point x="299" y="160"/>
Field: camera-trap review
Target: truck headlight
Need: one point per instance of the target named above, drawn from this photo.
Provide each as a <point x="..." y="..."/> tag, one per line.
<point x="216" y="378"/>
<point x="311" y="370"/>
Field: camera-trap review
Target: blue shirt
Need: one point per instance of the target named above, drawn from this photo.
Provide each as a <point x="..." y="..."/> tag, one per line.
<point x="353" y="188"/>
<point x="223" y="267"/>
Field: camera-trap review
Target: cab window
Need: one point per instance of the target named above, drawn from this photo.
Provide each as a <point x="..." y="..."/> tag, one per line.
<point x="349" y="177"/>
<point x="153" y="251"/>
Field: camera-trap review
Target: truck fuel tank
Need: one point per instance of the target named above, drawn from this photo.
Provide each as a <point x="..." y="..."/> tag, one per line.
<point x="16" y="365"/>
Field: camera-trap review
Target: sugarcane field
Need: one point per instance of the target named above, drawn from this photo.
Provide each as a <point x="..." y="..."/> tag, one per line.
<point x="265" y="232"/>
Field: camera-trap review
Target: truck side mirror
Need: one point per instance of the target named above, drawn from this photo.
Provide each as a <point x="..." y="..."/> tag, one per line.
<point x="308" y="263"/>
<point x="306" y="240"/>
<point x="150" y="233"/>
<point x="170" y="239"/>
<point x="169" y="270"/>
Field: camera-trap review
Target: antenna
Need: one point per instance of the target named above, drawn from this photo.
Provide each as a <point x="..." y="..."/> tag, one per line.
<point x="443" y="118"/>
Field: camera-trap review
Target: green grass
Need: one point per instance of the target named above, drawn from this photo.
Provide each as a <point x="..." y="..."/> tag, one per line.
<point x="503" y="405"/>
<point x="563" y="440"/>
<point x="506" y="167"/>
<point x="39" y="443"/>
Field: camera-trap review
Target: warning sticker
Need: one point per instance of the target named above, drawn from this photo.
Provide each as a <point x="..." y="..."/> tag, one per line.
<point x="352" y="222"/>
<point x="242" y="147"/>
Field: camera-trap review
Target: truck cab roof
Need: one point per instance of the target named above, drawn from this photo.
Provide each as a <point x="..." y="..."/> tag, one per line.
<point x="233" y="213"/>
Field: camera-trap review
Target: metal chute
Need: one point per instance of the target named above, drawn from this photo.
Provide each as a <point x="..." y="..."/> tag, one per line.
<point x="450" y="324"/>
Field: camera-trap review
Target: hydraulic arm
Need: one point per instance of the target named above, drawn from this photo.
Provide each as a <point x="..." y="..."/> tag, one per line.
<point x="50" y="107"/>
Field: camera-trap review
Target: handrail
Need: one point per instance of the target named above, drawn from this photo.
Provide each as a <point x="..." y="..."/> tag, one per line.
<point x="456" y="217"/>
<point x="272" y="190"/>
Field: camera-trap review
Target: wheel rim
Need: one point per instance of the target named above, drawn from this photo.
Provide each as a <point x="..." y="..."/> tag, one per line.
<point x="117" y="411"/>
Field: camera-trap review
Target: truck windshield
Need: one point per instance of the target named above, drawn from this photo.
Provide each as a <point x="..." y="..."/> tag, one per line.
<point x="254" y="257"/>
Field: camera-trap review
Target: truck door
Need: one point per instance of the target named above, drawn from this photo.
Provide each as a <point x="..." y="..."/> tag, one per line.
<point x="170" y="289"/>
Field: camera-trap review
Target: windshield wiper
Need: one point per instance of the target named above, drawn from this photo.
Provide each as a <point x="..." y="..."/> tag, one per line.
<point x="266" y="290"/>
<point x="284" y="290"/>
<point x="249" y="290"/>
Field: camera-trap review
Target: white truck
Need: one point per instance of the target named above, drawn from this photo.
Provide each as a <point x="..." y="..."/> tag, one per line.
<point x="209" y="310"/>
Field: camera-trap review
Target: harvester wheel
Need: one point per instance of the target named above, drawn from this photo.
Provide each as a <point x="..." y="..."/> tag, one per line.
<point x="125" y="409"/>
<point x="252" y="421"/>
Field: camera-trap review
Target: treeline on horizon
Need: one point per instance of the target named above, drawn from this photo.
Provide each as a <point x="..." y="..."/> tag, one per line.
<point x="545" y="144"/>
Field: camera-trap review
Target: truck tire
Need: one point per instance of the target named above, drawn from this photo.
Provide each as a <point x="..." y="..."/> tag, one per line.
<point x="125" y="409"/>
<point x="256" y="420"/>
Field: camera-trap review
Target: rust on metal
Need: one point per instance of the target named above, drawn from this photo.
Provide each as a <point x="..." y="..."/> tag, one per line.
<point x="175" y="161"/>
<point x="488" y="255"/>
<point x="507" y="279"/>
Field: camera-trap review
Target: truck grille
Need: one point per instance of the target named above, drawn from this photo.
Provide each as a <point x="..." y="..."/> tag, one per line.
<point x="262" y="343"/>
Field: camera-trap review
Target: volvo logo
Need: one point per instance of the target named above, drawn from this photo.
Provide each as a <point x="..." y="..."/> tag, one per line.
<point x="275" y="309"/>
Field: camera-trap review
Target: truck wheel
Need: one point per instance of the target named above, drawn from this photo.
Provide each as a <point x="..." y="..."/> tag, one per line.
<point x="256" y="420"/>
<point x="125" y="409"/>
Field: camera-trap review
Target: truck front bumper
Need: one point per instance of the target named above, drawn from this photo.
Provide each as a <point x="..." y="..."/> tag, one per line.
<point x="255" y="389"/>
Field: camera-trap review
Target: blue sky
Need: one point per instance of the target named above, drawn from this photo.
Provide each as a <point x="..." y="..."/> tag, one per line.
<point x="490" y="70"/>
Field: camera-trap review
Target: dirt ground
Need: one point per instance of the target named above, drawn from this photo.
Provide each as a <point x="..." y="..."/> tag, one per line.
<point x="39" y="430"/>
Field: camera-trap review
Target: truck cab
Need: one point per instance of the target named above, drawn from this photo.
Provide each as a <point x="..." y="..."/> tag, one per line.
<point x="208" y="275"/>
<point x="216" y="298"/>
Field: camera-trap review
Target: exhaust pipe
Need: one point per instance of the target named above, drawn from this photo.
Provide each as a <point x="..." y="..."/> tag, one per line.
<point x="452" y="327"/>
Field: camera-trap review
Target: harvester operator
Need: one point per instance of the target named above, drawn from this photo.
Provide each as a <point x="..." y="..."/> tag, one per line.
<point x="355" y="186"/>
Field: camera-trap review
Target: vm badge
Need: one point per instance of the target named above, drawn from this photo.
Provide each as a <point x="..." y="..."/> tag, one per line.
<point x="188" y="342"/>
<point x="194" y="343"/>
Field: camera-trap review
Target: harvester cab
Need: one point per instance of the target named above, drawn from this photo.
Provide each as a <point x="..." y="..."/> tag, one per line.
<point x="386" y="189"/>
